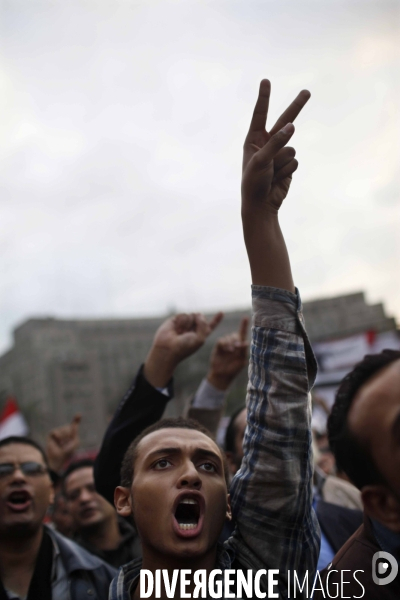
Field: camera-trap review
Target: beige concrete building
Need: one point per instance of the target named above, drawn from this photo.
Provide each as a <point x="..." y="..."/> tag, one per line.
<point x="58" y="367"/>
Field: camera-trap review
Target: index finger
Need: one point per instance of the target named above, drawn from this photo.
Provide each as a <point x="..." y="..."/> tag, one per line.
<point x="292" y="111"/>
<point x="216" y="320"/>
<point x="243" y="327"/>
<point x="76" y="421"/>
<point x="260" y="113"/>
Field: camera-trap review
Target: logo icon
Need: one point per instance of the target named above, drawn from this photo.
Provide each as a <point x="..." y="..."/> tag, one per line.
<point x="384" y="568"/>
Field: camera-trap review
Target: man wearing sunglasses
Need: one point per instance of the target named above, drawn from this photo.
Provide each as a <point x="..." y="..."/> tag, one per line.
<point x="36" y="562"/>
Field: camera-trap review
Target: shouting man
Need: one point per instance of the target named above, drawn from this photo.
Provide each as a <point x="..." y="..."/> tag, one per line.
<point x="37" y="563"/>
<point x="174" y="476"/>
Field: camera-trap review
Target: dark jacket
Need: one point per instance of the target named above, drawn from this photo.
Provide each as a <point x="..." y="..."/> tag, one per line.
<point x="356" y="555"/>
<point x="337" y="522"/>
<point x="89" y="577"/>
<point x="128" y="550"/>
<point x="141" y="406"/>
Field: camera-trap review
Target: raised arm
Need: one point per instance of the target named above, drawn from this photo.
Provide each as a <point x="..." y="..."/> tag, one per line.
<point x="144" y="403"/>
<point x="271" y="493"/>
<point x="268" y="165"/>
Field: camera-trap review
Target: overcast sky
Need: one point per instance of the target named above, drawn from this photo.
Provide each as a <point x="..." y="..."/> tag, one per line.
<point x="121" y="129"/>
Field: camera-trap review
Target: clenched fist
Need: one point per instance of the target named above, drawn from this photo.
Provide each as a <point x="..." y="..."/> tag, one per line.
<point x="176" y="339"/>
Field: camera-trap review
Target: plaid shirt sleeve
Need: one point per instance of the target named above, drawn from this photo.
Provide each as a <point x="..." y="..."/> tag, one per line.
<point x="271" y="494"/>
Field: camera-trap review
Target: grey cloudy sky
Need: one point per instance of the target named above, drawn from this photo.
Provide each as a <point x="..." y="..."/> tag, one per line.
<point x="121" y="131"/>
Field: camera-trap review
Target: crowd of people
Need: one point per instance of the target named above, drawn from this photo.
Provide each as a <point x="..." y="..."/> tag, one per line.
<point x="296" y="509"/>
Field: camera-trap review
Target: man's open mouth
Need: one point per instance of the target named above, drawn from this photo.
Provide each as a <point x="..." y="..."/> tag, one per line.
<point x="187" y="513"/>
<point x="19" y="500"/>
<point x="188" y="516"/>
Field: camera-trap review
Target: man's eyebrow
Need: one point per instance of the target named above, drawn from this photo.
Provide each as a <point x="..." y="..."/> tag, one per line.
<point x="164" y="451"/>
<point x="199" y="451"/>
<point x="206" y="453"/>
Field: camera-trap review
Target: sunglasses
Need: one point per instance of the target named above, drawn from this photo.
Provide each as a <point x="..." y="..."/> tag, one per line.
<point x="30" y="469"/>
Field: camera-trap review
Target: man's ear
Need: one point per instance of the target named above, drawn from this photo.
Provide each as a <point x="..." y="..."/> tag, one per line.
<point x="228" y="508"/>
<point x="230" y="457"/>
<point x="380" y="504"/>
<point x="122" y="501"/>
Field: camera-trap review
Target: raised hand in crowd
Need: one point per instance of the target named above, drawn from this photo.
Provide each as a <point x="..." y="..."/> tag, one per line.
<point x="268" y="165"/>
<point x="176" y="339"/>
<point x="62" y="442"/>
<point x="229" y="356"/>
<point x="277" y="524"/>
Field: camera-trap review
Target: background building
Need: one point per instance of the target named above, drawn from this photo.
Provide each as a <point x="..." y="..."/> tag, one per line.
<point x="57" y="367"/>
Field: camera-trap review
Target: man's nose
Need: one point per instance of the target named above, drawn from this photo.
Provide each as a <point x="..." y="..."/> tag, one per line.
<point x="18" y="475"/>
<point x="189" y="477"/>
<point x="85" y="495"/>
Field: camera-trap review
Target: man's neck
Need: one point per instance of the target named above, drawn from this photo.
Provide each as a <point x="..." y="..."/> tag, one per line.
<point x="18" y="559"/>
<point x="153" y="562"/>
<point x="105" y="536"/>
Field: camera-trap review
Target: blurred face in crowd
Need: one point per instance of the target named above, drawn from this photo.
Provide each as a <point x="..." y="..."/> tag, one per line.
<point x="88" y="508"/>
<point x="235" y="458"/>
<point x="178" y="496"/>
<point x="326" y="460"/>
<point x="62" y="517"/>
<point x="24" y="496"/>
<point x="374" y="418"/>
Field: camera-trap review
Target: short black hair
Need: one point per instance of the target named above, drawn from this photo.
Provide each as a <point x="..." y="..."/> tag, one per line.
<point x="20" y="439"/>
<point x="84" y="463"/>
<point x="230" y="434"/>
<point x="351" y="455"/>
<point x="128" y="462"/>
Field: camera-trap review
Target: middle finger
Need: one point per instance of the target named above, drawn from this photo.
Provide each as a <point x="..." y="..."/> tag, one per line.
<point x="289" y="115"/>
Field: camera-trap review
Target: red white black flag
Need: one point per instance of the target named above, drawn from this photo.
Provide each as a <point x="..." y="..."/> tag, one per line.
<point x="12" y="421"/>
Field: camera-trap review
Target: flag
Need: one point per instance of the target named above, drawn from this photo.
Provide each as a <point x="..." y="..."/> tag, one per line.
<point x="12" y="421"/>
